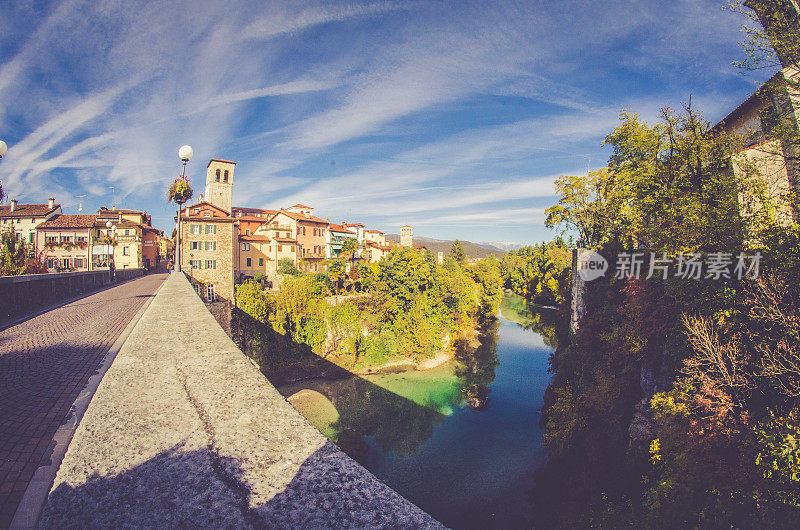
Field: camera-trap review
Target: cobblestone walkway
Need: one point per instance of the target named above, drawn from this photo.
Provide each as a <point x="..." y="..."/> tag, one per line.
<point x="45" y="362"/>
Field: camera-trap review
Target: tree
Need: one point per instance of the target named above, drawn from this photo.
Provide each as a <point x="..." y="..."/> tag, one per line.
<point x="286" y="266"/>
<point x="14" y="258"/>
<point x="777" y="42"/>
<point x="672" y="189"/>
<point x="457" y="252"/>
<point x="586" y="205"/>
<point x="349" y="246"/>
<point x="252" y="299"/>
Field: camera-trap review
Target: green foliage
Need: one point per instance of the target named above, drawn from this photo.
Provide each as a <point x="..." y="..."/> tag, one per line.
<point x="349" y="246"/>
<point x="286" y="266"/>
<point x="409" y="307"/>
<point x="540" y="274"/>
<point x="457" y="252"/>
<point x="14" y="258"/>
<point x="252" y="299"/>
<point x="778" y="459"/>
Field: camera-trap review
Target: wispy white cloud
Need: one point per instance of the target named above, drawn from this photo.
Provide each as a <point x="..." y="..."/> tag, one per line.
<point x="426" y="107"/>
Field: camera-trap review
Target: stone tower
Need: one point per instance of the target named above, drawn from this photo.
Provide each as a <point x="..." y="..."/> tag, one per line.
<point x="406" y="236"/>
<point x="219" y="183"/>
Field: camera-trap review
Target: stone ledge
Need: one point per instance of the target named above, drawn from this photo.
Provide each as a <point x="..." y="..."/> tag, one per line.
<point x="185" y="431"/>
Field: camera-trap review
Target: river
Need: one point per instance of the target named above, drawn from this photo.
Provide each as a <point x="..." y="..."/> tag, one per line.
<point x="461" y="440"/>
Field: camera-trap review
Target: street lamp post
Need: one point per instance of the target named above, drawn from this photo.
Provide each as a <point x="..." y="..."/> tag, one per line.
<point x="3" y="149"/>
<point x="113" y="229"/>
<point x="185" y="154"/>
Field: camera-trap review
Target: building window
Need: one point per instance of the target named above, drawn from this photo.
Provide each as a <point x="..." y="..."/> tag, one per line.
<point x="126" y="251"/>
<point x="65" y="263"/>
<point x="280" y="248"/>
<point x="127" y="232"/>
<point x="78" y="238"/>
<point x="225" y="178"/>
<point x="211" y="229"/>
<point x="216" y="179"/>
<point x="247" y="231"/>
<point x="48" y="239"/>
<point x="194" y="229"/>
<point x="196" y="211"/>
<point x="211" y="264"/>
<point x="245" y="246"/>
<point x="65" y="239"/>
<point x="79" y="263"/>
<point x="51" y="263"/>
<point x="249" y="262"/>
<point x="195" y="245"/>
<point x="197" y="288"/>
<point x="31" y="237"/>
<point x="291" y="248"/>
<point x="195" y="263"/>
<point x="210" y="290"/>
<point x="302" y="230"/>
<point x="260" y="262"/>
<point x="211" y="245"/>
<point x="206" y="214"/>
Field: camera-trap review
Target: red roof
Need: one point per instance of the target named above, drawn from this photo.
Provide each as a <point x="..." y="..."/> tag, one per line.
<point x="285" y="240"/>
<point x="302" y="217"/>
<point x="298" y="205"/>
<point x="254" y="238"/>
<point x="340" y="228"/>
<point x="27" y="210"/>
<point x="373" y="231"/>
<point x="69" y="221"/>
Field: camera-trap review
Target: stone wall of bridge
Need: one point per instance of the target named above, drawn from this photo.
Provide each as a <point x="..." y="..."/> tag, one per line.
<point x="20" y="295"/>
<point x="184" y="431"/>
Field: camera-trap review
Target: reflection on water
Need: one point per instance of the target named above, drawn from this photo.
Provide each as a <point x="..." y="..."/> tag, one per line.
<point x="461" y="440"/>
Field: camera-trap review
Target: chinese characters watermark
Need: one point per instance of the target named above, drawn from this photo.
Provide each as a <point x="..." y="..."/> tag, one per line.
<point x="691" y="266"/>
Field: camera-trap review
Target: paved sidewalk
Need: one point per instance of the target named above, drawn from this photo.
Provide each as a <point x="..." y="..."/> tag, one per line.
<point x="45" y="362"/>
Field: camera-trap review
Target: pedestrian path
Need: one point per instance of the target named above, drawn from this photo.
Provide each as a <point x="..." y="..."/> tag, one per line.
<point x="45" y="363"/>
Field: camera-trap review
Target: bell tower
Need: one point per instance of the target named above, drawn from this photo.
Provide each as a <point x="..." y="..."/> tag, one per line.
<point x="219" y="183"/>
<point x="406" y="236"/>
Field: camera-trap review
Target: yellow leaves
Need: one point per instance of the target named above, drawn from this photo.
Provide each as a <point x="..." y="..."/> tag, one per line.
<point x="664" y="403"/>
<point x="655" y="451"/>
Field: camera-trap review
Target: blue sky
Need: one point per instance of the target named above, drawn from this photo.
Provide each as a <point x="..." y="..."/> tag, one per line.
<point x="454" y="117"/>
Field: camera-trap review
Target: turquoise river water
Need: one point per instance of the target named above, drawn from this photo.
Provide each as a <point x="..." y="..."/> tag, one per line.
<point x="461" y="440"/>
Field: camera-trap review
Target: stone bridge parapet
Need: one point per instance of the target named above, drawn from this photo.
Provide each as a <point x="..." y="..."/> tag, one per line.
<point x="184" y="431"/>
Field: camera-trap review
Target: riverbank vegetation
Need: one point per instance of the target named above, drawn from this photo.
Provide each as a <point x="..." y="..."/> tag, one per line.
<point x="405" y="307"/>
<point x="539" y="273"/>
<point x="676" y="402"/>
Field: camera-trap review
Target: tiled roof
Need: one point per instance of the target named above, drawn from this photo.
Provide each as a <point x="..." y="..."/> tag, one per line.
<point x="298" y="205"/>
<point x="373" y="231"/>
<point x="254" y="238"/>
<point x="105" y="210"/>
<point x="252" y="218"/>
<point x="340" y="228"/>
<point x="302" y="217"/>
<point x="285" y="240"/>
<point x="27" y="210"/>
<point x="69" y="221"/>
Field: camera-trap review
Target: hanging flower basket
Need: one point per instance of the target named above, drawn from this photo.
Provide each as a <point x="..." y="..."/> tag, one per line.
<point x="180" y="191"/>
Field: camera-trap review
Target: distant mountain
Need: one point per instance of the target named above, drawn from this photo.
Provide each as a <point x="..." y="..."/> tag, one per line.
<point x="499" y="245"/>
<point x="471" y="250"/>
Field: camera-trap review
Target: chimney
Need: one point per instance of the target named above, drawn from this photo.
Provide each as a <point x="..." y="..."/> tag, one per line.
<point x="201" y="198"/>
<point x="51" y="203"/>
<point x="13" y="204"/>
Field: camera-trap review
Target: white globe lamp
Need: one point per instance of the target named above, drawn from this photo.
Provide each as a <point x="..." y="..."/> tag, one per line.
<point x="185" y="153"/>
